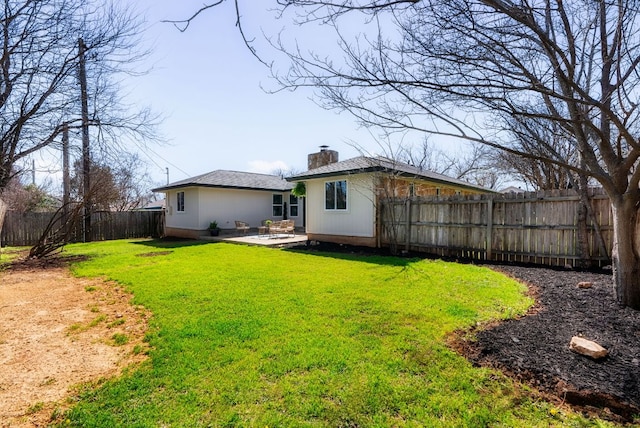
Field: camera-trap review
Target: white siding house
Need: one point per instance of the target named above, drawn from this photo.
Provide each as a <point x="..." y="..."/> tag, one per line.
<point x="224" y="197"/>
<point x="355" y="220"/>
<point x="342" y="197"/>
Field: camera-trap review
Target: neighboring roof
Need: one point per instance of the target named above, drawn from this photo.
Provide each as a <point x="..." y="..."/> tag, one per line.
<point x="231" y="180"/>
<point x="154" y="205"/>
<point x="512" y="189"/>
<point x="364" y="164"/>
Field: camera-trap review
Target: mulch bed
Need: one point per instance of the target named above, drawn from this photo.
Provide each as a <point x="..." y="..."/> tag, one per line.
<point x="535" y="348"/>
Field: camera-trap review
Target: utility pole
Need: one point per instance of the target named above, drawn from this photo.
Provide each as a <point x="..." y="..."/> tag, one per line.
<point x="167" y="175"/>
<point x="86" y="155"/>
<point x="66" y="181"/>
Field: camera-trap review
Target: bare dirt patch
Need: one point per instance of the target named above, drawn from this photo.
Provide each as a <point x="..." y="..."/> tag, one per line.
<point x="57" y="332"/>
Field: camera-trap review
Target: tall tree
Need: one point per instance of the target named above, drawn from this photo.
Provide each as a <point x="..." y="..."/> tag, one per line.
<point x="39" y="64"/>
<point x="457" y="68"/>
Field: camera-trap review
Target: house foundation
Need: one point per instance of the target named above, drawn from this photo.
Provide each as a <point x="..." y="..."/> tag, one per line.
<point x="362" y="241"/>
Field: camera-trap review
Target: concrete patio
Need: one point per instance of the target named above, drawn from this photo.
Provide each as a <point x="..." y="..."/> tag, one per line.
<point x="255" y="239"/>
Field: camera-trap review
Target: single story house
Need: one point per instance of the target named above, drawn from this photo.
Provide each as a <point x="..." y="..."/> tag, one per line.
<point x="342" y="196"/>
<point x="226" y="196"/>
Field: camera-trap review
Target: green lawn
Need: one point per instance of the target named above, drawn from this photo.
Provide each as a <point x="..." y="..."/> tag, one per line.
<point x="257" y="337"/>
<point x="9" y="254"/>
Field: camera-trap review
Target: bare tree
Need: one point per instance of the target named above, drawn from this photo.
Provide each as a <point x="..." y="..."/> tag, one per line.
<point x="39" y="63"/>
<point x="119" y="185"/>
<point x="57" y="232"/>
<point x="475" y="164"/>
<point x="459" y="67"/>
<point x="548" y="141"/>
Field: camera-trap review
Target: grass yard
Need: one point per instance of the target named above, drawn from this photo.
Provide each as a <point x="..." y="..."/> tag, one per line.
<point x="259" y="337"/>
<point x="7" y="255"/>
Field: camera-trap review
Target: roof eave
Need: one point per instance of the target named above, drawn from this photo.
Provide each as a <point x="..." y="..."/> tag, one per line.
<point x="382" y="168"/>
<point x="215" y="186"/>
<point x="335" y="173"/>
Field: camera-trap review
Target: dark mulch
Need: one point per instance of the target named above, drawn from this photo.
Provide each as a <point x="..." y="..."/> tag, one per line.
<point x="535" y="348"/>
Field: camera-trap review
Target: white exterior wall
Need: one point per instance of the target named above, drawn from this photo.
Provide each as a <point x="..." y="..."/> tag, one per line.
<point x="204" y="205"/>
<point x="357" y="220"/>
<point x="187" y="219"/>
<point x="228" y="205"/>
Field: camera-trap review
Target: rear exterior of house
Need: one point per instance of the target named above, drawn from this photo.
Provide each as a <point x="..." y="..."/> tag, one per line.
<point x="224" y="197"/>
<point x="343" y="197"/>
<point x="341" y="209"/>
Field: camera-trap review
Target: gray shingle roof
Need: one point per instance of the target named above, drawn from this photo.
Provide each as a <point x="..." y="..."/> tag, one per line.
<point x="364" y="164"/>
<point x="232" y="180"/>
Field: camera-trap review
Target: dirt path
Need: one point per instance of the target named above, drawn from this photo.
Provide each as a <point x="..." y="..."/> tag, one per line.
<point x="57" y="332"/>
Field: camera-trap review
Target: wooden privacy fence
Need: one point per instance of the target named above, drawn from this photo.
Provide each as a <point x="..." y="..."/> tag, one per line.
<point x="26" y="228"/>
<point x="534" y="227"/>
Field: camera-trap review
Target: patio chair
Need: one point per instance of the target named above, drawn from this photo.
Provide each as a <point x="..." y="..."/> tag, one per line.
<point x="282" y="226"/>
<point x="242" y="226"/>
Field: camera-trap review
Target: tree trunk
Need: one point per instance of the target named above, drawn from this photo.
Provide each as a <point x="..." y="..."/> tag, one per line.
<point x="3" y="211"/>
<point x="624" y="254"/>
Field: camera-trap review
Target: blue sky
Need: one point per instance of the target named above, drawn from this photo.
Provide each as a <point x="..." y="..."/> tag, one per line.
<point x="207" y="85"/>
<point x="208" y="88"/>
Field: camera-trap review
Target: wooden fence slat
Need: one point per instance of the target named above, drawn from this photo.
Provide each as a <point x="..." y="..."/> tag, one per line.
<point x="23" y="229"/>
<point x="535" y="227"/>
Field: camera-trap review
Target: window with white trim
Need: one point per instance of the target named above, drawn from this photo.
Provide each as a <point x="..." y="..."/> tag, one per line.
<point x="335" y="195"/>
<point x="277" y="205"/>
<point x="293" y="206"/>
<point x="180" y="202"/>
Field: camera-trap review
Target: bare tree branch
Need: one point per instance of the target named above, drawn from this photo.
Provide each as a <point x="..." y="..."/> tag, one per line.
<point x="38" y="74"/>
<point x="471" y="69"/>
<point x="183" y="24"/>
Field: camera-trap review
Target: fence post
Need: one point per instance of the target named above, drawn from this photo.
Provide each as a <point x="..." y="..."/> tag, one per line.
<point x="407" y="228"/>
<point x="489" y="228"/>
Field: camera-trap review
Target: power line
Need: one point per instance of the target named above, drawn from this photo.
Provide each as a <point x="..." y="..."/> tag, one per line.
<point x="144" y="151"/>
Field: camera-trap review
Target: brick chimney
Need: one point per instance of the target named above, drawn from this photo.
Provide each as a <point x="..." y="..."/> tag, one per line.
<point x="322" y="158"/>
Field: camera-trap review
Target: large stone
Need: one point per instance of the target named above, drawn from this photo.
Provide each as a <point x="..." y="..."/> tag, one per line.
<point x="585" y="284"/>
<point x="587" y="347"/>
